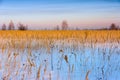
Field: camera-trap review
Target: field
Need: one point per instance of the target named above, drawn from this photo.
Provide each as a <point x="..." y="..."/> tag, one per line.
<point x="60" y="55"/>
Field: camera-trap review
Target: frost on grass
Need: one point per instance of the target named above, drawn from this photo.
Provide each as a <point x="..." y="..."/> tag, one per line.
<point x="60" y="55"/>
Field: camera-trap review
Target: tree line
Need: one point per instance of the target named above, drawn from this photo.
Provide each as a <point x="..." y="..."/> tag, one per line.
<point x="64" y="26"/>
<point x="11" y="26"/>
<point x="113" y="27"/>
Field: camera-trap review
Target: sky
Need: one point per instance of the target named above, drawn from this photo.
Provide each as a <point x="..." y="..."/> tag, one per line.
<point x="40" y="14"/>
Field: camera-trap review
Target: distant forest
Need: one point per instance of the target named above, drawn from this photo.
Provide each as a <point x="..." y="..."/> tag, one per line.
<point x="64" y="26"/>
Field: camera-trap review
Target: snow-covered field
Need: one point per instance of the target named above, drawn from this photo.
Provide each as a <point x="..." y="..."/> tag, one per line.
<point x="59" y="59"/>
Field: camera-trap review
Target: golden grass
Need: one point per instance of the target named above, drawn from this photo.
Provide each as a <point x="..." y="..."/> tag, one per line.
<point x="19" y="39"/>
<point x="59" y="34"/>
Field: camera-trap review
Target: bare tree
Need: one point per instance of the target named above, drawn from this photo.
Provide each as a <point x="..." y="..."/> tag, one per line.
<point x="4" y="27"/>
<point x="22" y="27"/>
<point x="113" y="27"/>
<point x="64" y="25"/>
<point x="11" y="26"/>
<point x="57" y="27"/>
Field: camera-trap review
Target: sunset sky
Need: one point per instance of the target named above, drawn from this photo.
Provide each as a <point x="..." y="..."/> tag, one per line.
<point x="38" y="14"/>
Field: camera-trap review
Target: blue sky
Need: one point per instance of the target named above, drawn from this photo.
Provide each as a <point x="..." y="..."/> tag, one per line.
<point x="39" y="14"/>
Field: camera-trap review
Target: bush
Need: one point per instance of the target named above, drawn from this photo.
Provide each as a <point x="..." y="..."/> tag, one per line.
<point x="22" y="27"/>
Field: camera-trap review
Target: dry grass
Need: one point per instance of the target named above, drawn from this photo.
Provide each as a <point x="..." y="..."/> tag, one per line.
<point x="21" y="40"/>
<point x="59" y="34"/>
